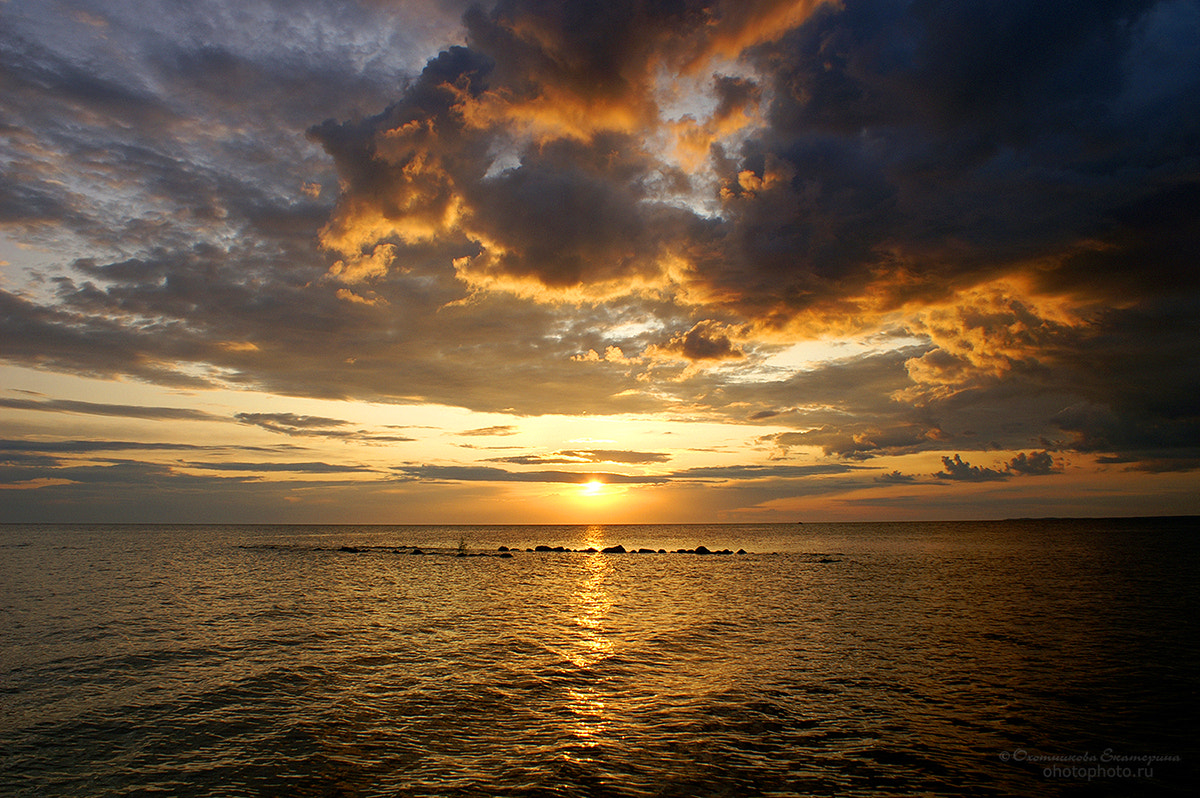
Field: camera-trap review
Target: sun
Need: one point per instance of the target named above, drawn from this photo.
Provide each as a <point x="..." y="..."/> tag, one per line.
<point x="593" y="487"/>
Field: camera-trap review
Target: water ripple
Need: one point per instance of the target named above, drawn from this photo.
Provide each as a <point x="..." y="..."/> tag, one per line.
<point x="256" y="661"/>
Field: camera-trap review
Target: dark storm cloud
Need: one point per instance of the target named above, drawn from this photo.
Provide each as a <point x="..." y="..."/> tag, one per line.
<point x="563" y="90"/>
<point x="907" y="133"/>
<point x="600" y="230"/>
<point x="899" y="137"/>
<point x="1141" y="386"/>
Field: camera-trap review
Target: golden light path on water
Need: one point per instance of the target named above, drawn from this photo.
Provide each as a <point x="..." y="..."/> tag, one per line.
<point x="592" y="604"/>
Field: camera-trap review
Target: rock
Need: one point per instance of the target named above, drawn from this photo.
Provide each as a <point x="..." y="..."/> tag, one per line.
<point x="646" y="551"/>
<point x="702" y="550"/>
<point x="417" y="551"/>
<point x="741" y="551"/>
<point x="559" y="549"/>
<point x="502" y="548"/>
<point x="617" y="549"/>
<point x="589" y="550"/>
<point x="506" y="555"/>
<point x="542" y="548"/>
<point x="724" y="551"/>
<point x="662" y="551"/>
<point x="350" y="549"/>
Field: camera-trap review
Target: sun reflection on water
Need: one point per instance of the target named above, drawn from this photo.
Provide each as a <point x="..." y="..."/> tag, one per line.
<point x="592" y="603"/>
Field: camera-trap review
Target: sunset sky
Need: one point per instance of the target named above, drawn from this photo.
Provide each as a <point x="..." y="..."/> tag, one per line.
<point x="598" y="262"/>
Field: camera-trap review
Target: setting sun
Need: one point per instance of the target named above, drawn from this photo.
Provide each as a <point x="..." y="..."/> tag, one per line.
<point x="593" y="488"/>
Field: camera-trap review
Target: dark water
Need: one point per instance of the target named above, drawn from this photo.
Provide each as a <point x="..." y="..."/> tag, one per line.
<point x="1009" y="658"/>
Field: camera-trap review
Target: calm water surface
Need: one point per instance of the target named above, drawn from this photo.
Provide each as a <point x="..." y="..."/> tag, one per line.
<point x="998" y="658"/>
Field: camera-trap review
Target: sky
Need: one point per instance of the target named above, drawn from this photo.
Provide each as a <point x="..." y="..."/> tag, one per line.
<point x="629" y="261"/>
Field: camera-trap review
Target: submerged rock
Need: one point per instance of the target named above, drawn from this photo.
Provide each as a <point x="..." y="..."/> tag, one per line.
<point x="417" y="551"/>
<point x="505" y="554"/>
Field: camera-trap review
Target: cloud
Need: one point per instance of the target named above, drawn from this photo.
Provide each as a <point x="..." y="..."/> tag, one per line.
<point x="100" y="409"/>
<point x="705" y="474"/>
<point x="314" y="426"/>
<point x="307" y="468"/>
<point x="586" y="456"/>
<point x="489" y="474"/>
<point x="740" y="472"/>
<point x="863" y="441"/>
<point x="123" y="473"/>
<point x="499" y="429"/>
<point x="76" y="446"/>
<point x="1033" y="464"/>
<point x="707" y="340"/>
<point x="958" y="470"/>
<point x="290" y="423"/>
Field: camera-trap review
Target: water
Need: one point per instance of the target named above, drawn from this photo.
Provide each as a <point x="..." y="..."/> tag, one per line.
<point x="842" y="659"/>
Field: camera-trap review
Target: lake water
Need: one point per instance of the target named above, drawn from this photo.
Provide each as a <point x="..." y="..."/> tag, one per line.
<point x="983" y="658"/>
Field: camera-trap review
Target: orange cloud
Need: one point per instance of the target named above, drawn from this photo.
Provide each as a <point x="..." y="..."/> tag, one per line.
<point x="986" y="333"/>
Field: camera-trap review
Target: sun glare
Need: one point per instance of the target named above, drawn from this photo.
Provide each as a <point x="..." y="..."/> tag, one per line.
<point x="593" y="487"/>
